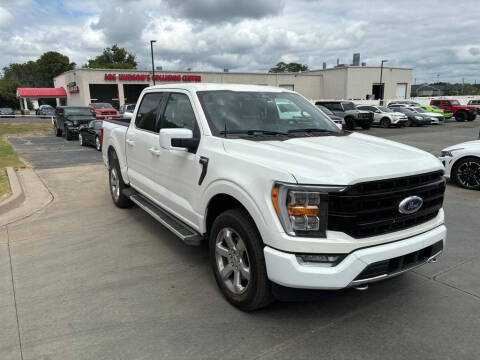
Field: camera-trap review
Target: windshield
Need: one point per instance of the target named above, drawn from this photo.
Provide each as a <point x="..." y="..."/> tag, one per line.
<point x="349" y="106"/>
<point x="325" y="110"/>
<point x="384" y="109"/>
<point x="102" y="106"/>
<point x="236" y="111"/>
<point x="455" y="102"/>
<point x="420" y="110"/>
<point x="80" y="111"/>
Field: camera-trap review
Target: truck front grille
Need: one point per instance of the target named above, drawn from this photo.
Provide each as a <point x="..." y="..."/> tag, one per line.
<point x="371" y="208"/>
<point x="401" y="263"/>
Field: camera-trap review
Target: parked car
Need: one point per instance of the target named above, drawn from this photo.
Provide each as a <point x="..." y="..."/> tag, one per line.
<point x="90" y="134"/>
<point x="459" y="111"/>
<point x="104" y="111"/>
<point x="46" y="110"/>
<point x="7" y="113"/>
<point x="447" y="114"/>
<point x="348" y="111"/>
<point x="126" y="110"/>
<point x="284" y="204"/>
<point x="475" y="104"/>
<point x="413" y="118"/>
<point x="336" y="119"/>
<point x="435" y="118"/>
<point x="69" y="119"/>
<point x="462" y="164"/>
<point x="384" y="116"/>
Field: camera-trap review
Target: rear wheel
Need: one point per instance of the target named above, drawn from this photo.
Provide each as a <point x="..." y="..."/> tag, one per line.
<point x="408" y="123"/>
<point x="385" y="123"/>
<point x="57" y="131"/>
<point x="366" y="126"/>
<point x="68" y="134"/>
<point x="236" y="256"/>
<point x="461" y="116"/>
<point x="98" y="144"/>
<point x="117" y="185"/>
<point x="467" y="173"/>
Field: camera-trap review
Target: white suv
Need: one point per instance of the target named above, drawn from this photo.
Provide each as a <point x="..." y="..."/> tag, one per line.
<point x="384" y="116"/>
<point x="284" y="202"/>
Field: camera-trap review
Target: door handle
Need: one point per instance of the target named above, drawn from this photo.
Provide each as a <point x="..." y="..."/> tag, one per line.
<point x="130" y="142"/>
<point x="155" y="152"/>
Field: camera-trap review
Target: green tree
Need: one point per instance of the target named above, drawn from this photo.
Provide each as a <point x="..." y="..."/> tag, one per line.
<point x="288" y="67"/>
<point x="114" y="58"/>
<point x="39" y="73"/>
<point x="8" y="93"/>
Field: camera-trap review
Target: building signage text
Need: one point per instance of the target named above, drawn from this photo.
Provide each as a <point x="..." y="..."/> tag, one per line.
<point x="147" y="77"/>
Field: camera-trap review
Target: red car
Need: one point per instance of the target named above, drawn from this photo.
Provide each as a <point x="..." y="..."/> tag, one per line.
<point x="461" y="112"/>
<point x="104" y="111"/>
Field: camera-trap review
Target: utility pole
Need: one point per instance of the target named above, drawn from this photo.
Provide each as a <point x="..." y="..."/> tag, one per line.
<point x="381" y="84"/>
<point x="153" y="64"/>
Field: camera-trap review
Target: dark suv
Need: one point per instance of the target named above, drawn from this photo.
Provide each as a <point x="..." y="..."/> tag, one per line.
<point x="348" y="111"/>
<point x="69" y="119"/>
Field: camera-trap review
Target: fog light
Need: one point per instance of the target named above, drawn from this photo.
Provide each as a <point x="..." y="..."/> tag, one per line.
<point x="319" y="259"/>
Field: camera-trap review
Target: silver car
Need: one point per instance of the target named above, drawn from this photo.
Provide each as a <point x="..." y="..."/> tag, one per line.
<point x="384" y="116"/>
<point x="435" y="118"/>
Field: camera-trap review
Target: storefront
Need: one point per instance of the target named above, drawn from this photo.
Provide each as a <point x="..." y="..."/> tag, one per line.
<point x="118" y="87"/>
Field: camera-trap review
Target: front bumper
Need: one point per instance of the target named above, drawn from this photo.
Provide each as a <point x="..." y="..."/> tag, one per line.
<point x="284" y="269"/>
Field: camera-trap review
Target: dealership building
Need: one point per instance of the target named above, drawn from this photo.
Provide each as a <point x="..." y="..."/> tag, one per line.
<point x="83" y="86"/>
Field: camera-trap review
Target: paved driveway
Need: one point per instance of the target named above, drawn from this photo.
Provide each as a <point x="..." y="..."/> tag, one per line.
<point x="92" y="281"/>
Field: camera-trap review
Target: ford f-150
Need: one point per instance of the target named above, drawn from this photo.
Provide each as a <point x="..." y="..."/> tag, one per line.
<point x="284" y="203"/>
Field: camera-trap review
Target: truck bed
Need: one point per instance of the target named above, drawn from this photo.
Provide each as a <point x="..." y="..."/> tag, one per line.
<point x="121" y="121"/>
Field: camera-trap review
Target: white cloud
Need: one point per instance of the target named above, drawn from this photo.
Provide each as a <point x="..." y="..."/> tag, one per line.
<point x="434" y="37"/>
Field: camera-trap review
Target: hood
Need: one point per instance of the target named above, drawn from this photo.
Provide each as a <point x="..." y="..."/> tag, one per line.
<point x="104" y="110"/>
<point x="396" y="113"/>
<point x="433" y="114"/>
<point x="336" y="160"/>
<point x="475" y="144"/>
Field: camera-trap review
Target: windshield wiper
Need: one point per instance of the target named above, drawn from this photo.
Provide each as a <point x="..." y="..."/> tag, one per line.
<point x="253" y="132"/>
<point x="311" y="130"/>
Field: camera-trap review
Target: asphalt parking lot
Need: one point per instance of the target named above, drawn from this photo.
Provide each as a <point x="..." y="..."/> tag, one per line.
<point x="82" y="279"/>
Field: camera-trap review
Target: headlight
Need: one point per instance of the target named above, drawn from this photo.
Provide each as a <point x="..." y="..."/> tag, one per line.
<point x="450" y="152"/>
<point x="303" y="210"/>
<point x="418" y="117"/>
<point x="433" y="118"/>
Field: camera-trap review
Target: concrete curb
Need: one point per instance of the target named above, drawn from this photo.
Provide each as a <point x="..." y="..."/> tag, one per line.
<point x="18" y="195"/>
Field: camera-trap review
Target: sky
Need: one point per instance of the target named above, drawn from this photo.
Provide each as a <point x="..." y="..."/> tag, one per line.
<point x="438" y="39"/>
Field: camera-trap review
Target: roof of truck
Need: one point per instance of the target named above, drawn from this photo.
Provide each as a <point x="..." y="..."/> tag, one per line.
<point x="213" y="86"/>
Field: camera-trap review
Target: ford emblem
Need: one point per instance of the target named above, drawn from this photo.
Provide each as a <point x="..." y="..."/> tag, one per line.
<point x="410" y="205"/>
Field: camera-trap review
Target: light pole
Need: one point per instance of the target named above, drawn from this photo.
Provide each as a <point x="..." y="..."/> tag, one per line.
<point x="381" y="84"/>
<point x="153" y="64"/>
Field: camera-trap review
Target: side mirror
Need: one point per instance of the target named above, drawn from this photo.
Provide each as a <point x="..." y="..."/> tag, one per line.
<point x="178" y="139"/>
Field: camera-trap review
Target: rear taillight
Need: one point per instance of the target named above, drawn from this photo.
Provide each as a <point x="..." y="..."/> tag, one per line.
<point x="101" y="137"/>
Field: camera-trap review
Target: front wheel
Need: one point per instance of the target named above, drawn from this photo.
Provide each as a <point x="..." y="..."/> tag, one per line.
<point x="467" y="173"/>
<point x="349" y="123"/>
<point x="68" y="134"/>
<point x="385" y="123"/>
<point x="80" y="140"/>
<point x="236" y="256"/>
<point x="461" y="116"/>
<point x="366" y="126"/>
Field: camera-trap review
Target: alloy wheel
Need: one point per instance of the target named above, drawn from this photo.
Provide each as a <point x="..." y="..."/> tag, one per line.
<point x="232" y="261"/>
<point x="80" y="139"/>
<point x="97" y="143"/>
<point x="114" y="184"/>
<point x="468" y="174"/>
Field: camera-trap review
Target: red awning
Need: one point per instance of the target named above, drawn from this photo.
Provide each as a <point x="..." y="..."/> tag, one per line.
<point x="41" y="92"/>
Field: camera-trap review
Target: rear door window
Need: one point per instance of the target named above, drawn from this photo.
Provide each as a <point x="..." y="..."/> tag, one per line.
<point x="148" y="112"/>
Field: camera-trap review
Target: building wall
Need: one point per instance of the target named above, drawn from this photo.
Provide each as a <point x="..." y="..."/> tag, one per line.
<point x="361" y="79"/>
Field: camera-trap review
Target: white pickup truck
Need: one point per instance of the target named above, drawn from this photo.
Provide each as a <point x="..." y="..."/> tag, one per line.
<point x="284" y="202"/>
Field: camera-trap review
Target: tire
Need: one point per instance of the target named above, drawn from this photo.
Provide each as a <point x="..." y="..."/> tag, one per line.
<point x="461" y="116"/>
<point x="68" y="135"/>
<point x="98" y="145"/>
<point x="466" y="173"/>
<point x="58" y="132"/>
<point x="116" y="185"/>
<point x="349" y="123"/>
<point x="472" y="117"/>
<point x="408" y="123"/>
<point x="253" y="291"/>
<point x="366" y="126"/>
<point x="385" y="123"/>
<point x="80" y="140"/>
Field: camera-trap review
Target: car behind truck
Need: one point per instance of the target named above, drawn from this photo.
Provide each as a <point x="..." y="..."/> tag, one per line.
<point x="285" y="203"/>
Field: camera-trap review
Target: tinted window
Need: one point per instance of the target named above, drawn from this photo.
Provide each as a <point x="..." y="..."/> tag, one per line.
<point x="179" y="113"/>
<point x="78" y="111"/>
<point x="445" y="103"/>
<point x="148" y="111"/>
<point x="349" y="106"/>
<point x="332" y="106"/>
<point x="436" y="102"/>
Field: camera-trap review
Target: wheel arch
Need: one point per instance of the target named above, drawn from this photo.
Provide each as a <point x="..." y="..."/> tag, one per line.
<point x="455" y="163"/>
